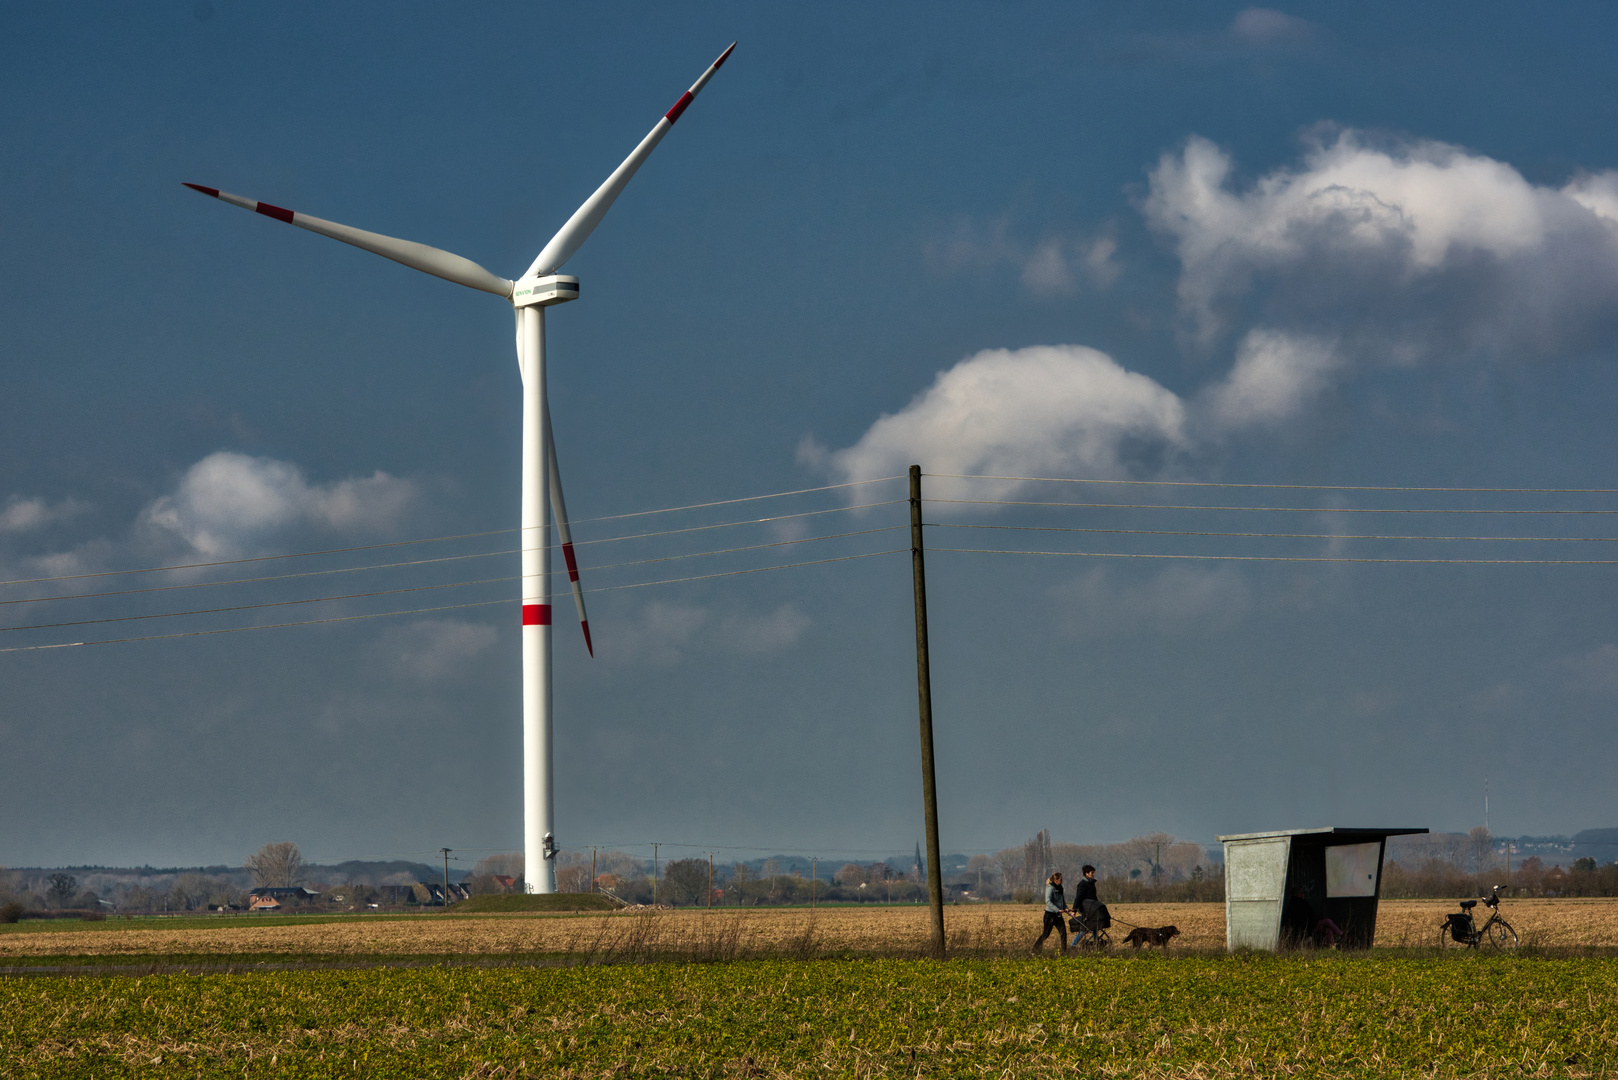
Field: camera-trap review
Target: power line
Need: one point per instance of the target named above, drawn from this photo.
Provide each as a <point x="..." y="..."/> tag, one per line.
<point x="1260" y="509"/>
<point x="1288" y="558"/>
<point x="266" y="626"/>
<point x="748" y="498"/>
<point x="428" y="610"/>
<point x="252" y="559"/>
<point x="428" y="588"/>
<point x="467" y="536"/>
<point x="258" y="580"/>
<point x="735" y="550"/>
<point x="1276" y="536"/>
<point x="756" y="570"/>
<point x="730" y="524"/>
<point x="255" y="607"/>
<point x="1282" y="487"/>
<point x="410" y="562"/>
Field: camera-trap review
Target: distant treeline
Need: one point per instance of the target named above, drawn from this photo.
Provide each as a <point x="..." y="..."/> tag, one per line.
<point x="1470" y="864"/>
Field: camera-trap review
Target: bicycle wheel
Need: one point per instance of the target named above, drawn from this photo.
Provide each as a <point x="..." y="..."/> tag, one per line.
<point x="1501" y="935"/>
<point x="1446" y="939"/>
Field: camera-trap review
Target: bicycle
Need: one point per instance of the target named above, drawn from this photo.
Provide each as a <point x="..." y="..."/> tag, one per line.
<point x="1460" y="929"/>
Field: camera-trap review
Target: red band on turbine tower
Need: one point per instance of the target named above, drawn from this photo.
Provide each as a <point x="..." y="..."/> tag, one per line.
<point x="276" y="212"/>
<point x="536" y="614"/>
<point x="679" y="107"/>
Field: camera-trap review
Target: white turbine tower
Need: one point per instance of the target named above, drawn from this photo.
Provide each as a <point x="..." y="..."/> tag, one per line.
<point x="538" y="288"/>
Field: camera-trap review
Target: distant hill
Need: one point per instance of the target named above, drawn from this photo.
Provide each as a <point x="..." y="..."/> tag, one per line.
<point x="1598" y="844"/>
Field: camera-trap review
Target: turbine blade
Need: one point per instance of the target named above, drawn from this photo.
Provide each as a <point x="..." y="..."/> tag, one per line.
<point x="565" y="535"/>
<point x="428" y="260"/>
<point x="584" y="220"/>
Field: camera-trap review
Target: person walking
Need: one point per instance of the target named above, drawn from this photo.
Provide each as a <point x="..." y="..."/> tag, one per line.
<point x="1089" y="907"/>
<point x="1055" y="908"/>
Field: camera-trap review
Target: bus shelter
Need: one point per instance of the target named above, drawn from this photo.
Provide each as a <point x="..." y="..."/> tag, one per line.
<point x="1337" y="870"/>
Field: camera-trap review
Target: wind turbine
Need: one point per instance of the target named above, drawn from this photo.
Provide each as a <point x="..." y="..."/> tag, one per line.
<point x="538" y="288"/>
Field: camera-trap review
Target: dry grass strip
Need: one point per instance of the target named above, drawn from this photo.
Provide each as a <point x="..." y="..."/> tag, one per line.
<point x="987" y="929"/>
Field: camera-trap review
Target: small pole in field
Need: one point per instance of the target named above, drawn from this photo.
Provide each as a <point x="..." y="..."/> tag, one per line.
<point x="924" y="693"/>
<point x="654" y="875"/>
<point x="814" y="879"/>
<point x="592" y="869"/>
<point x="710" y="881"/>
<point x="446" y="877"/>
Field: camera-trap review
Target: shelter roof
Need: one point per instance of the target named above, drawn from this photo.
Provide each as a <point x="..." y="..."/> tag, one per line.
<point x="1328" y="830"/>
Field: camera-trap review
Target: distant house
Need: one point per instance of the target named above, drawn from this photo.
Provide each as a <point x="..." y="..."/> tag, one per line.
<point x="288" y="892"/>
<point x="422" y="892"/>
<point x="507" y="882"/>
<point x="257" y="902"/>
<point x="433" y="893"/>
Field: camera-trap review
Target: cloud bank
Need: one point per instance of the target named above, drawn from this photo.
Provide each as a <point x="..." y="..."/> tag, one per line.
<point x="1370" y="253"/>
<point x="229" y="504"/>
<point x="1408" y="250"/>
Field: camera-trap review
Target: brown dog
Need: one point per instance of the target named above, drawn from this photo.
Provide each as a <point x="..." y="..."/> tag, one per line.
<point x="1151" y="935"/>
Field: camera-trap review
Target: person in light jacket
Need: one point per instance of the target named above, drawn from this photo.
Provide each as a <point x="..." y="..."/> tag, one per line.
<point x="1055" y="908"/>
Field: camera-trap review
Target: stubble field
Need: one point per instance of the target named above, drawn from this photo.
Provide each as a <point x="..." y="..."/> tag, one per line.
<point x="985" y="930"/>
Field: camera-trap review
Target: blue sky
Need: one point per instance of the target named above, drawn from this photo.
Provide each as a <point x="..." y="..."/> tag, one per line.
<point x="1336" y="246"/>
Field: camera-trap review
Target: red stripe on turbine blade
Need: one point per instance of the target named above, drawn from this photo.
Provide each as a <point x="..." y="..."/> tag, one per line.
<point x="536" y="614"/>
<point x="679" y="107"/>
<point x="276" y="212"/>
<point x="724" y="56"/>
<point x="572" y="564"/>
<point x="588" y="644"/>
<point x="205" y="190"/>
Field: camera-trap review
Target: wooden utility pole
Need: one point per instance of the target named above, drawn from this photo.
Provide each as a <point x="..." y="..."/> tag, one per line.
<point x="592" y="869"/>
<point x="654" y="875"/>
<point x="710" y="880"/>
<point x="924" y="692"/>
<point x="814" y="879"/>
<point x="446" y="877"/>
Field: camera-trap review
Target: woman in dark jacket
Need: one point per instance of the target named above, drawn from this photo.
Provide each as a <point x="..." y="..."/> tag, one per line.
<point x="1055" y="909"/>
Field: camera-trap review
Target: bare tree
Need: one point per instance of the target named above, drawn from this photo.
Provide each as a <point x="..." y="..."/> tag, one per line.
<point x="687" y="880"/>
<point x="1481" y="843"/>
<point x="508" y="864"/>
<point x="276" y="865"/>
<point x="62" y="888"/>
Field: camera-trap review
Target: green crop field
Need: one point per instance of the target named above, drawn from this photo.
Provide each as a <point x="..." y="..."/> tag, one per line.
<point x="1184" y="1016"/>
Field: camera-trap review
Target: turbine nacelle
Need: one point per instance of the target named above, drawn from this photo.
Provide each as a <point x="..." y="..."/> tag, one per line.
<point x="545" y="291"/>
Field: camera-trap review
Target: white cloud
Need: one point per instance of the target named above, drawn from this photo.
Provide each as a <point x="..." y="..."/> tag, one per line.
<point x="1046" y="410"/>
<point x="764" y="633"/>
<point x="1266" y="26"/>
<point x="1406" y="248"/>
<point x="1053" y="266"/>
<point x="433" y="650"/>
<point x="24" y="515"/>
<point x="1276" y="375"/>
<point x="229" y="504"/>
<point x="1367" y="254"/>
